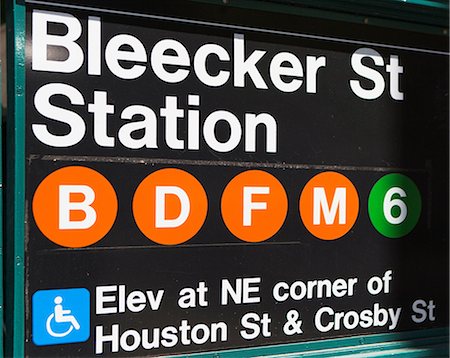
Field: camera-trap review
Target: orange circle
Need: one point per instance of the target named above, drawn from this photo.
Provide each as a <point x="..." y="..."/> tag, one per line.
<point x="329" y="205"/>
<point x="254" y="206"/>
<point x="170" y="206"/>
<point x="75" y="206"/>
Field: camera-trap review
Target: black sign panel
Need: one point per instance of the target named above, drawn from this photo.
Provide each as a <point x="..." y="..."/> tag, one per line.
<point x="196" y="186"/>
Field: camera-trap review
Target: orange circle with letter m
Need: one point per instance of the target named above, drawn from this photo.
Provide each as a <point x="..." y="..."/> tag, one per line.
<point x="329" y="205"/>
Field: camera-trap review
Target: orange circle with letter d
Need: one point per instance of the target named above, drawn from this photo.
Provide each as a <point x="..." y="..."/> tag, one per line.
<point x="170" y="206"/>
<point x="75" y="206"/>
<point x="329" y="205"/>
<point x="254" y="206"/>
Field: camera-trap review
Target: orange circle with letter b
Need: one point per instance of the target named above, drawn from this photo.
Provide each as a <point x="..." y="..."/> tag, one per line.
<point x="329" y="205"/>
<point x="75" y="206"/>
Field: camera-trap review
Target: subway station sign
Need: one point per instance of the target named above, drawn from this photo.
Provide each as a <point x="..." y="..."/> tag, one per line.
<point x="197" y="186"/>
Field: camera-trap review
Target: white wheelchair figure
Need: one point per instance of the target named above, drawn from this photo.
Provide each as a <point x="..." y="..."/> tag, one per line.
<point x="61" y="315"/>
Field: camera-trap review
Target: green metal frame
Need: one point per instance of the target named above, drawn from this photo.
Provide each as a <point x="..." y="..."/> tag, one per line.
<point x="427" y="343"/>
<point x="424" y="343"/>
<point x="15" y="181"/>
<point x="423" y="16"/>
<point x="1" y="205"/>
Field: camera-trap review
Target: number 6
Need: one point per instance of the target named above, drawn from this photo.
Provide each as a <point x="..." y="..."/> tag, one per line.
<point x="389" y="203"/>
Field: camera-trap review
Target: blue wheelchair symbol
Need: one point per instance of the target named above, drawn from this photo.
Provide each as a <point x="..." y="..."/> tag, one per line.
<point x="60" y="316"/>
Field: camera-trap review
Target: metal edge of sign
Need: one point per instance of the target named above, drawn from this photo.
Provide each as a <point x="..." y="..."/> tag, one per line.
<point x="430" y="19"/>
<point x="425" y="343"/>
<point x="15" y="182"/>
<point x="235" y="27"/>
<point x="1" y="200"/>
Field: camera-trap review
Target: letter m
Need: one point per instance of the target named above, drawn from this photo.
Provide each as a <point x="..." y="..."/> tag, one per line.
<point x="320" y="205"/>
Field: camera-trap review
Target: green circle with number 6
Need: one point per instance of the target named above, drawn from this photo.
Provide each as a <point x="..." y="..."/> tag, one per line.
<point x="394" y="205"/>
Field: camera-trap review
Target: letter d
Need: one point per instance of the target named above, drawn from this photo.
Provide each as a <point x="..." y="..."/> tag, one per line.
<point x="66" y="206"/>
<point x="160" y="207"/>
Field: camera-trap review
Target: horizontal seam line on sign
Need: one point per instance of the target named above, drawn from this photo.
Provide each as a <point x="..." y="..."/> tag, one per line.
<point x="237" y="27"/>
<point x="222" y="163"/>
<point x="170" y="247"/>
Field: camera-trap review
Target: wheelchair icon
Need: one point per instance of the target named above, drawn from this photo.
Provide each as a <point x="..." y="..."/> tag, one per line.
<point x="58" y="317"/>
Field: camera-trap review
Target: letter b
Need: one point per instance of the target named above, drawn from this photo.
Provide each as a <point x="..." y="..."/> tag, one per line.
<point x="42" y="40"/>
<point x="67" y="206"/>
